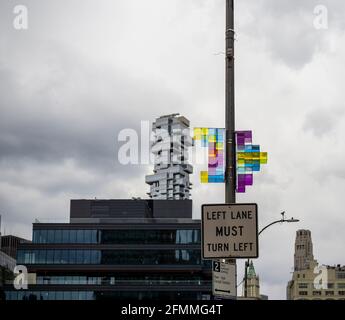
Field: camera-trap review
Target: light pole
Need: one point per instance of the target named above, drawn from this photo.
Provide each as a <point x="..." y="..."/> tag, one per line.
<point x="282" y="220"/>
<point x="230" y="158"/>
<point x="230" y="153"/>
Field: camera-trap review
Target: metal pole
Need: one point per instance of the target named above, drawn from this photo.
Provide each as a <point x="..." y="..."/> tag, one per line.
<point x="230" y="156"/>
<point x="230" y="172"/>
<point x="246" y="279"/>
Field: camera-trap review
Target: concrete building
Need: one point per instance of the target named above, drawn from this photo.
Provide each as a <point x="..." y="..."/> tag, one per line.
<point x="170" y="180"/>
<point x="310" y="281"/>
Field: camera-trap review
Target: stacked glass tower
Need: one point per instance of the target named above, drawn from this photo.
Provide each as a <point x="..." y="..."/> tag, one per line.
<point x="170" y="180"/>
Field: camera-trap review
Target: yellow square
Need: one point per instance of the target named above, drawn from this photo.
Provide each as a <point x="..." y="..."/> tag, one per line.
<point x="204" y="176"/>
<point x="204" y="131"/>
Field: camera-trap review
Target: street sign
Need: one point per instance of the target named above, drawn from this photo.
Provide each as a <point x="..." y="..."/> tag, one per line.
<point x="229" y="231"/>
<point x="224" y="279"/>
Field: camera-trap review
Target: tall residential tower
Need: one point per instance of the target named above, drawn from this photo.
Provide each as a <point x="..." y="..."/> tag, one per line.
<point x="170" y="180"/>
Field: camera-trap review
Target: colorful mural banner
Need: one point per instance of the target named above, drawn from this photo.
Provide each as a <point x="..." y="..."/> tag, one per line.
<point x="213" y="139"/>
<point x="248" y="160"/>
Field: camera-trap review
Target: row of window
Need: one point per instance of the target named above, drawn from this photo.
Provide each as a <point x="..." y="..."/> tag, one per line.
<point x="59" y="257"/>
<point x="49" y="295"/>
<point x="192" y="236"/>
<point x="319" y="293"/>
<point x="109" y="257"/>
<point x="340" y="275"/>
<point x="65" y="236"/>
<point x="85" y="280"/>
<point x="329" y="285"/>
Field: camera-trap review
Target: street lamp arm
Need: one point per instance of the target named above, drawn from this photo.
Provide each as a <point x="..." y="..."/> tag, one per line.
<point x="278" y="221"/>
<point x="271" y="224"/>
<point x="282" y="220"/>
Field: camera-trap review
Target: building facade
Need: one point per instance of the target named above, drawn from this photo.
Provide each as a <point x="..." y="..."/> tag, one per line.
<point x="170" y="180"/>
<point x="310" y="281"/>
<point x="9" y="244"/>
<point x="6" y="261"/>
<point x="115" y="249"/>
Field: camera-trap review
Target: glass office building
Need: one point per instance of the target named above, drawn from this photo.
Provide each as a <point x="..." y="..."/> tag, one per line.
<point x="113" y="249"/>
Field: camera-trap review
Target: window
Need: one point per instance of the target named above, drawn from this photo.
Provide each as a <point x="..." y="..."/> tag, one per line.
<point x="65" y="236"/>
<point x="340" y="275"/>
<point x="341" y="285"/>
<point x="151" y="236"/>
<point x="82" y="295"/>
<point x="41" y="256"/>
<point x="341" y="293"/>
<point x="303" y="286"/>
<point x="330" y="285"/>
<point x="95" y="257"/>
<point x="57" y="256"/>
<point x="329" y="293"/>
<point x="80" y="256"/>
<point x="51" y="295"/>
<point x="74" y="295"/>
<point x="317" y="293"/>
<point x="58" y="236"/>
<point x="35" y="236"/>
<point x="83" y="280"/>
<point x="303" y="293"/>
<point x="50" y="257"/>
<point x="20" y="256"/>
<point x="51" y="234"/>
<point x="59" y="295"/>
<point x="80" y="236"/>
<point x="73" y="236"/>
<point x="94" y="236"/>
<point x="67" y="295"/>
<point x="27" y="257"/>
<point x="87" y="236"/>
<point x="72" y="257"/>
<point x="64" y="256"/>
<point x="151" y="257"/>
<point x="87" y="257"/>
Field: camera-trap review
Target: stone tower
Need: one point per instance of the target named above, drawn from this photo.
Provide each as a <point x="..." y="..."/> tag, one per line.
<point x="303" y="250"/>
<point x="253" y="285"/>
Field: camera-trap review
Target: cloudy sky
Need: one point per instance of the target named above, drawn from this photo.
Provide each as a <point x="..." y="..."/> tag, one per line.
<point x="84" y="70"/>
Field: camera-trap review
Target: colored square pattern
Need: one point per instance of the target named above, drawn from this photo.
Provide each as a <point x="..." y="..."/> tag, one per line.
<point x="249" y="160"/>
<point x="213" y="139"/>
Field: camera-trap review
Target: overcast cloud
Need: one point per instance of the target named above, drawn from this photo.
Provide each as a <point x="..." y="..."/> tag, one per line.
<point x="84" y="70"/>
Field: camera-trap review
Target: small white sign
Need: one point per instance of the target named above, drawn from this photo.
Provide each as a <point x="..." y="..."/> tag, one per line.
<point x="229" y="231"/>
<point x="224" y="279"/>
